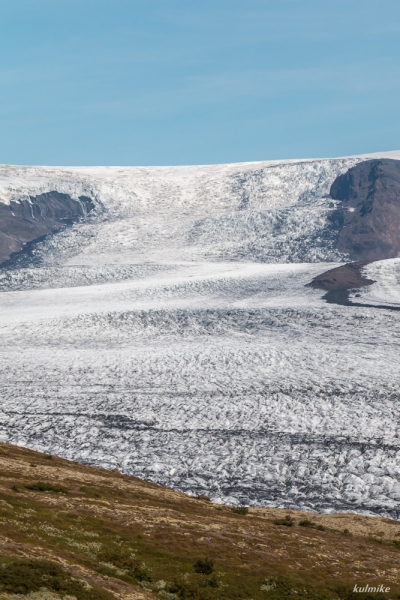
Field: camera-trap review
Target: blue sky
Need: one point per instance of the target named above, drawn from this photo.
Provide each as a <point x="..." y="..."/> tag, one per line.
<point x="147" y="82"/>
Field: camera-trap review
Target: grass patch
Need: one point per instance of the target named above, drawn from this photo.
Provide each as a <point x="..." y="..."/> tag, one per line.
<point x="41" y="486"/>
<point x="203" y="497"/>
<point x="90" y="493"/>
<point x="23" y="577"/>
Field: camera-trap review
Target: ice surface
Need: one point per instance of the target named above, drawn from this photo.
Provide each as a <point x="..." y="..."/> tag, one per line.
<point x="386" y="289"/>
<point x="170" y="335"/>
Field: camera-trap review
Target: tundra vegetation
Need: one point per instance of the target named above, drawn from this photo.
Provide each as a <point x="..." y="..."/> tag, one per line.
<point x="77" y="532"/>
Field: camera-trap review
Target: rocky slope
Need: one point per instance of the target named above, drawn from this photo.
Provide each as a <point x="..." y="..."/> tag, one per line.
<point x="368" y="222"/>
<point x="27" y="220"/>
<point x="345" y="277"/>
<point x="369" y="213"/>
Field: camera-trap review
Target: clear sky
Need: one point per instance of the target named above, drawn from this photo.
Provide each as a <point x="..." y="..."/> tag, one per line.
<point x="158" y="82"/>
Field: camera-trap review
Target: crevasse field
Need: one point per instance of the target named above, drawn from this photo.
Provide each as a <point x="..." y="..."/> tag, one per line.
<point x="170" y="336"/>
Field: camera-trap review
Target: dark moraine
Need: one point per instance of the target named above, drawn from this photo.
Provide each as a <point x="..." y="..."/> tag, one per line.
<point x="337" y="282"/>
<point x="345" y="277"/>
<point x="25" y="221"/>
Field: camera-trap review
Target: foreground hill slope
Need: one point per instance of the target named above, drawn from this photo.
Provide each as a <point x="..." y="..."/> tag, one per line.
<point x="117" y="536"/>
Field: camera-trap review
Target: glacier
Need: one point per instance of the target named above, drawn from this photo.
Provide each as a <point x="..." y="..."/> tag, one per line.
<point x="170" y="335"/>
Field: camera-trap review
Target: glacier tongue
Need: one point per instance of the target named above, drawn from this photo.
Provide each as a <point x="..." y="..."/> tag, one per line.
<point x="170" y="335"/>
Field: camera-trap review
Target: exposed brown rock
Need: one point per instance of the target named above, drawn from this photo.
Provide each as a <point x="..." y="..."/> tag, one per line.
<point x="369" y="214"/>
<point x="29" y="220"/>
<point x="346" y="277"/>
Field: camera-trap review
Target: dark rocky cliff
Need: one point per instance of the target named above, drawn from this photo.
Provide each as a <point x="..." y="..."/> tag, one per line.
<point x="369" y="215"/>
<point x="28" y="220"/>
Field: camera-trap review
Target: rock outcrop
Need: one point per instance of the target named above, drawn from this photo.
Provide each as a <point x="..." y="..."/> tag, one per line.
<point x="28" y="220"/>
<point x="345" y="277"/>
<point x="369" y="214"/>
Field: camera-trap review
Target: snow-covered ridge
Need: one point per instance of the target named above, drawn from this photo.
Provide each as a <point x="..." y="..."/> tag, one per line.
<point x="253" y="211"/>
<point x="273" y="211"/>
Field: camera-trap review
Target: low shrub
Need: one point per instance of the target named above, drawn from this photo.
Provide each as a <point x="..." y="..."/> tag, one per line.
<point x="311" y="525"/>
<point x="306" y="523"/>
<point x="205" y="566"/>
<point x="283" y="588"/>
<point x="187" y="590"/>
<point x="287" y="521"/>
<point x="41" y="486"/>
<point x="123" y="559"/>
<point x="166" y="595"/>
<point x="240" y="510"/>
<point x="213" y="582"/>
<point x="24" y="577"/>
<point x="140" y="574"/>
